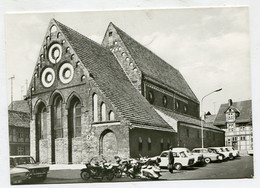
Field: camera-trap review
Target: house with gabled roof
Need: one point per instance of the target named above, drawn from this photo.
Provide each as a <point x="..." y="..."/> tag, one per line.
<point x="235" y="118"/>
<point x="90" y="99"/>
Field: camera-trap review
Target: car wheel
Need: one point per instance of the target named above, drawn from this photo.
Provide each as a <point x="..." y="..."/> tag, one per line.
<point x="85" y="175"/>
<point x="177" y="166"/>
<point x="207" y="160"/>
<point x="231" y="157"/>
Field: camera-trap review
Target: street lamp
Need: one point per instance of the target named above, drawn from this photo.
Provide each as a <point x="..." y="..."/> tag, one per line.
<point x="202" y="115"/>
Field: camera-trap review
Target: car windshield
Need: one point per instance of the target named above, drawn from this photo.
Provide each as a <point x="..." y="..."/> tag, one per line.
<point x="23" y="160"/>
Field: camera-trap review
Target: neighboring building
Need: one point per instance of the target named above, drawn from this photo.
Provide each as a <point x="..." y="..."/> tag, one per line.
<point x="20" y="106"/>
<point x="19" y="132"/>
<point x="236" y="119"/>
<point x="88" y="99"/>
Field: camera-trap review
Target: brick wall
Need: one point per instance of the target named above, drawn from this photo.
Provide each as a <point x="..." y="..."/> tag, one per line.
<point x="155" y="136"/>
<point x="87" y="145"/>
<point x="189" y="136"/>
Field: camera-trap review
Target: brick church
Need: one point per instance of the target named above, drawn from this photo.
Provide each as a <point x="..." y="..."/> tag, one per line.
<point x="117" y="98"/>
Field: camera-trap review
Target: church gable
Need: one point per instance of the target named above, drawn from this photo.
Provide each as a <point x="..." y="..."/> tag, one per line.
<point x="58" y="65"/>
<point x="113" y="42"/>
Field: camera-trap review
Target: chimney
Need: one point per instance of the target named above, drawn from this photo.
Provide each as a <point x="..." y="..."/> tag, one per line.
<point x="230" y="102"/>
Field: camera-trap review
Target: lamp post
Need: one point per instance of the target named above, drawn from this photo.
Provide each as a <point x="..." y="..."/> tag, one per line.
<point x="202" y="115"/>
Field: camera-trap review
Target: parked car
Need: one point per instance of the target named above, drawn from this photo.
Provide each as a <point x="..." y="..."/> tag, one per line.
<point x="27" y="162"/>
<point x="180" y="159"/>
<point x="234" y="152"/>
<point x="209" y="156"/>
<point x="221" y="151"/>
<point x="198" y="158"/>
<point x="250" y="152"/>
<point x="18" y="175"/>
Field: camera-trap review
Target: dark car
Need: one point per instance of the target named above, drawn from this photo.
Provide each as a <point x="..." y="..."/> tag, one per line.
<point x="27" y="162"/>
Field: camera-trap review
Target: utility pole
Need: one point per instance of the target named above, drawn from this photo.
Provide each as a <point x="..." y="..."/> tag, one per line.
<point x="11" y="78"/>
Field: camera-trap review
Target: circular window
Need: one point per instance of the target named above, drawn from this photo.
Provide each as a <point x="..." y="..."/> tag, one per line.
<point x="55" y="53"/>
<point x="150" y="97"/>
<point x="48" y="77"/>
<point x="164" y="100"/>
<point x="66" y="73"/>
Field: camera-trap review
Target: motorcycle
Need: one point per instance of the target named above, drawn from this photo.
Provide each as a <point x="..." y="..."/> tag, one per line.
<point x="144" y="169"/>
<point x="97" y="171"/>
<point x="121" y="167"/>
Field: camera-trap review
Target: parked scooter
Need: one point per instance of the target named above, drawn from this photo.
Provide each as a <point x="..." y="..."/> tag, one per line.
<point x="97" y="171"/>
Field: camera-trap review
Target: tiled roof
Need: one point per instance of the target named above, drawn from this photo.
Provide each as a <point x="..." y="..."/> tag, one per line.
<point x="210" y="118"/>
<point x="154" y="67"/>
<point x="21" y="106"/>
<point x="186" y="119"/>
<point x="18" y="119"/>
<point x="112" y="81"/>
<point x="245" y="108"/>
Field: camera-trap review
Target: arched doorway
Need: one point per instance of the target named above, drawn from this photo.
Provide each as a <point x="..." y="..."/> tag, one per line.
<point x="108" y="144"/>
<point x="74" y="123"/>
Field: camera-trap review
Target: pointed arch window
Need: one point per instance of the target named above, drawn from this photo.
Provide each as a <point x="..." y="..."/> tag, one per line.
<point x="95" y="107"/>
<point x="58" y="128"/>
<point x="103" y="112"/>
<point x="77" y="119"/>
<point x="43" y="119"/>
<point x="111" y="115"/>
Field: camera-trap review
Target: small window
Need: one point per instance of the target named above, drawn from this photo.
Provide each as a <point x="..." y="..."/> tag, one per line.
<point x="162" y="144"/>
<point x="110" y="34"/>
<point x="150" y="97"/>
<point x="164" y="100"/>
<point x="187" y="132"/>
<point x="177" y="105"/>
<point x="111" y="115"/>
<point x="168" y="144"/>
<point x="185" y="108"/>
<point x="149" y="141"/>
<point x="140" y="144"/>
<point x="103" y="112"/>
<point x="58" y="35"/>
<point x="95" y="107"/>
<point x="53" y="29"/>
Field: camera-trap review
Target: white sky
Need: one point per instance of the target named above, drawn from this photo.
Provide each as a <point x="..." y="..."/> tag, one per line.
<point x="209" y="46"/>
